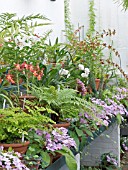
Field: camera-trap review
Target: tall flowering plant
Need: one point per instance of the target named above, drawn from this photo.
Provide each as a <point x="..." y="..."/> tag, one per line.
<point x="28" y="72"/>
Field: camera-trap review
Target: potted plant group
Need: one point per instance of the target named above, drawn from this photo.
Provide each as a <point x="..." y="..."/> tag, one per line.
<point x="63" y="103"/>
<point x="14" y="127"/>
<point x="51" y="145"/>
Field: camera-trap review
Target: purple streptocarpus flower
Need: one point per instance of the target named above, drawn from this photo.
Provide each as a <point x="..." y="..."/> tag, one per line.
<point x="59" y="138"/>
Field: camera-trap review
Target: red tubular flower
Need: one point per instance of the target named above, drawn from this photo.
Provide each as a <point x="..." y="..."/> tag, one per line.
<point x="17" y="67"/>
<point x="9" y="77"/>
<point x="31" y="68"/>
<point x="42" y="72"/>
<point x="35" y="73"/>
<point x="38" y="68"/>
<point x="39" y="77"/>
<point x="24" y="65"/>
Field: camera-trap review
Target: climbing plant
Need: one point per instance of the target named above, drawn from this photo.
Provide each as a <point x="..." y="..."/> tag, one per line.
<point x="67" y="19"/>
<point x="92" y="17"/>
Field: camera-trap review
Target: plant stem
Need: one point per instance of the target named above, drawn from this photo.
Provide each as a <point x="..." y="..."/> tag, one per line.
<point x="17" y="80"/>
<point x="27" y="82"/>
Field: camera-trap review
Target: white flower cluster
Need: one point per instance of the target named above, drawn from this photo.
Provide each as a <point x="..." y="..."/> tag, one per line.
<point x="64" y="72"/>
<point x="86" y="70"/>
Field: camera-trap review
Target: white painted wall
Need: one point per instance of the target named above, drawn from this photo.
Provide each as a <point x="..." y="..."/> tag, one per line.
<point x="109" y="15"/>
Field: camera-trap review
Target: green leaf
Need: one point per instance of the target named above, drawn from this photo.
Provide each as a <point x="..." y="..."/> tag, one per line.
<point x="88" y="132"/>
<point x="45" y="159"/>
<point x="118" y="116"/>
<point x="75" y="137"/>
<point x="79" y="132"/>
<point x="69" y="158"/>
<point x="4" y="96"/>
<point x="71" y="162"/>
<point x="83" y="142"/>
<point x="125" y="103"/>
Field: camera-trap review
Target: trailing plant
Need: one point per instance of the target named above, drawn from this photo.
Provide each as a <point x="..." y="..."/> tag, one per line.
<point x="36" y="149"/>
<point x="110" y="109"/>
<point x="124" y="3"/>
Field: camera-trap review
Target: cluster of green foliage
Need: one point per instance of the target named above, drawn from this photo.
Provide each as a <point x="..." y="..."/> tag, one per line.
<point x="14" y="123"/>
<point x="64" y="102"/>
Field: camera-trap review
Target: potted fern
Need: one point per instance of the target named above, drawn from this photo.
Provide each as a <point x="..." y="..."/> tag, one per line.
<point x="63" y="104"/>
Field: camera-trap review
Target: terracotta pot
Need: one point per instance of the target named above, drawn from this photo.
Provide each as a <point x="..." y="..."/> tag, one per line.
<point x="17" y="147"/>
<point x="97" y="81"/>
<point x="27" y="97"/>
<point x="63" y="124"/>
<point x="22" y="100"/>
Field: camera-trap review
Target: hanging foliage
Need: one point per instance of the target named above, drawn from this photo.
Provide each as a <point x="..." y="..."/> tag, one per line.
<point x="124" y="3"/>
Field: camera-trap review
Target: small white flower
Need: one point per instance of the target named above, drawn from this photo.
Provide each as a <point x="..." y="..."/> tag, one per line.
<point x="44" y="61"/>
<point x="68" y="75"/>
<point x="84" y="75"/>
<point x="86" y="70"/>
<point x="66" y="72"/>
<point x="9" y="45"/>
<point x="81" y="67"/>
<point x="6" y="39"/>
<point x="63" y="72"/>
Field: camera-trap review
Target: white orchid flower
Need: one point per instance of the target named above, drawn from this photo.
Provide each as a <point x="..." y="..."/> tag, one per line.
<point x="84" y="75"/>
<point x="63" y="72"/>
<point x="81" y="67"/>
<point x="86" y="70"/>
